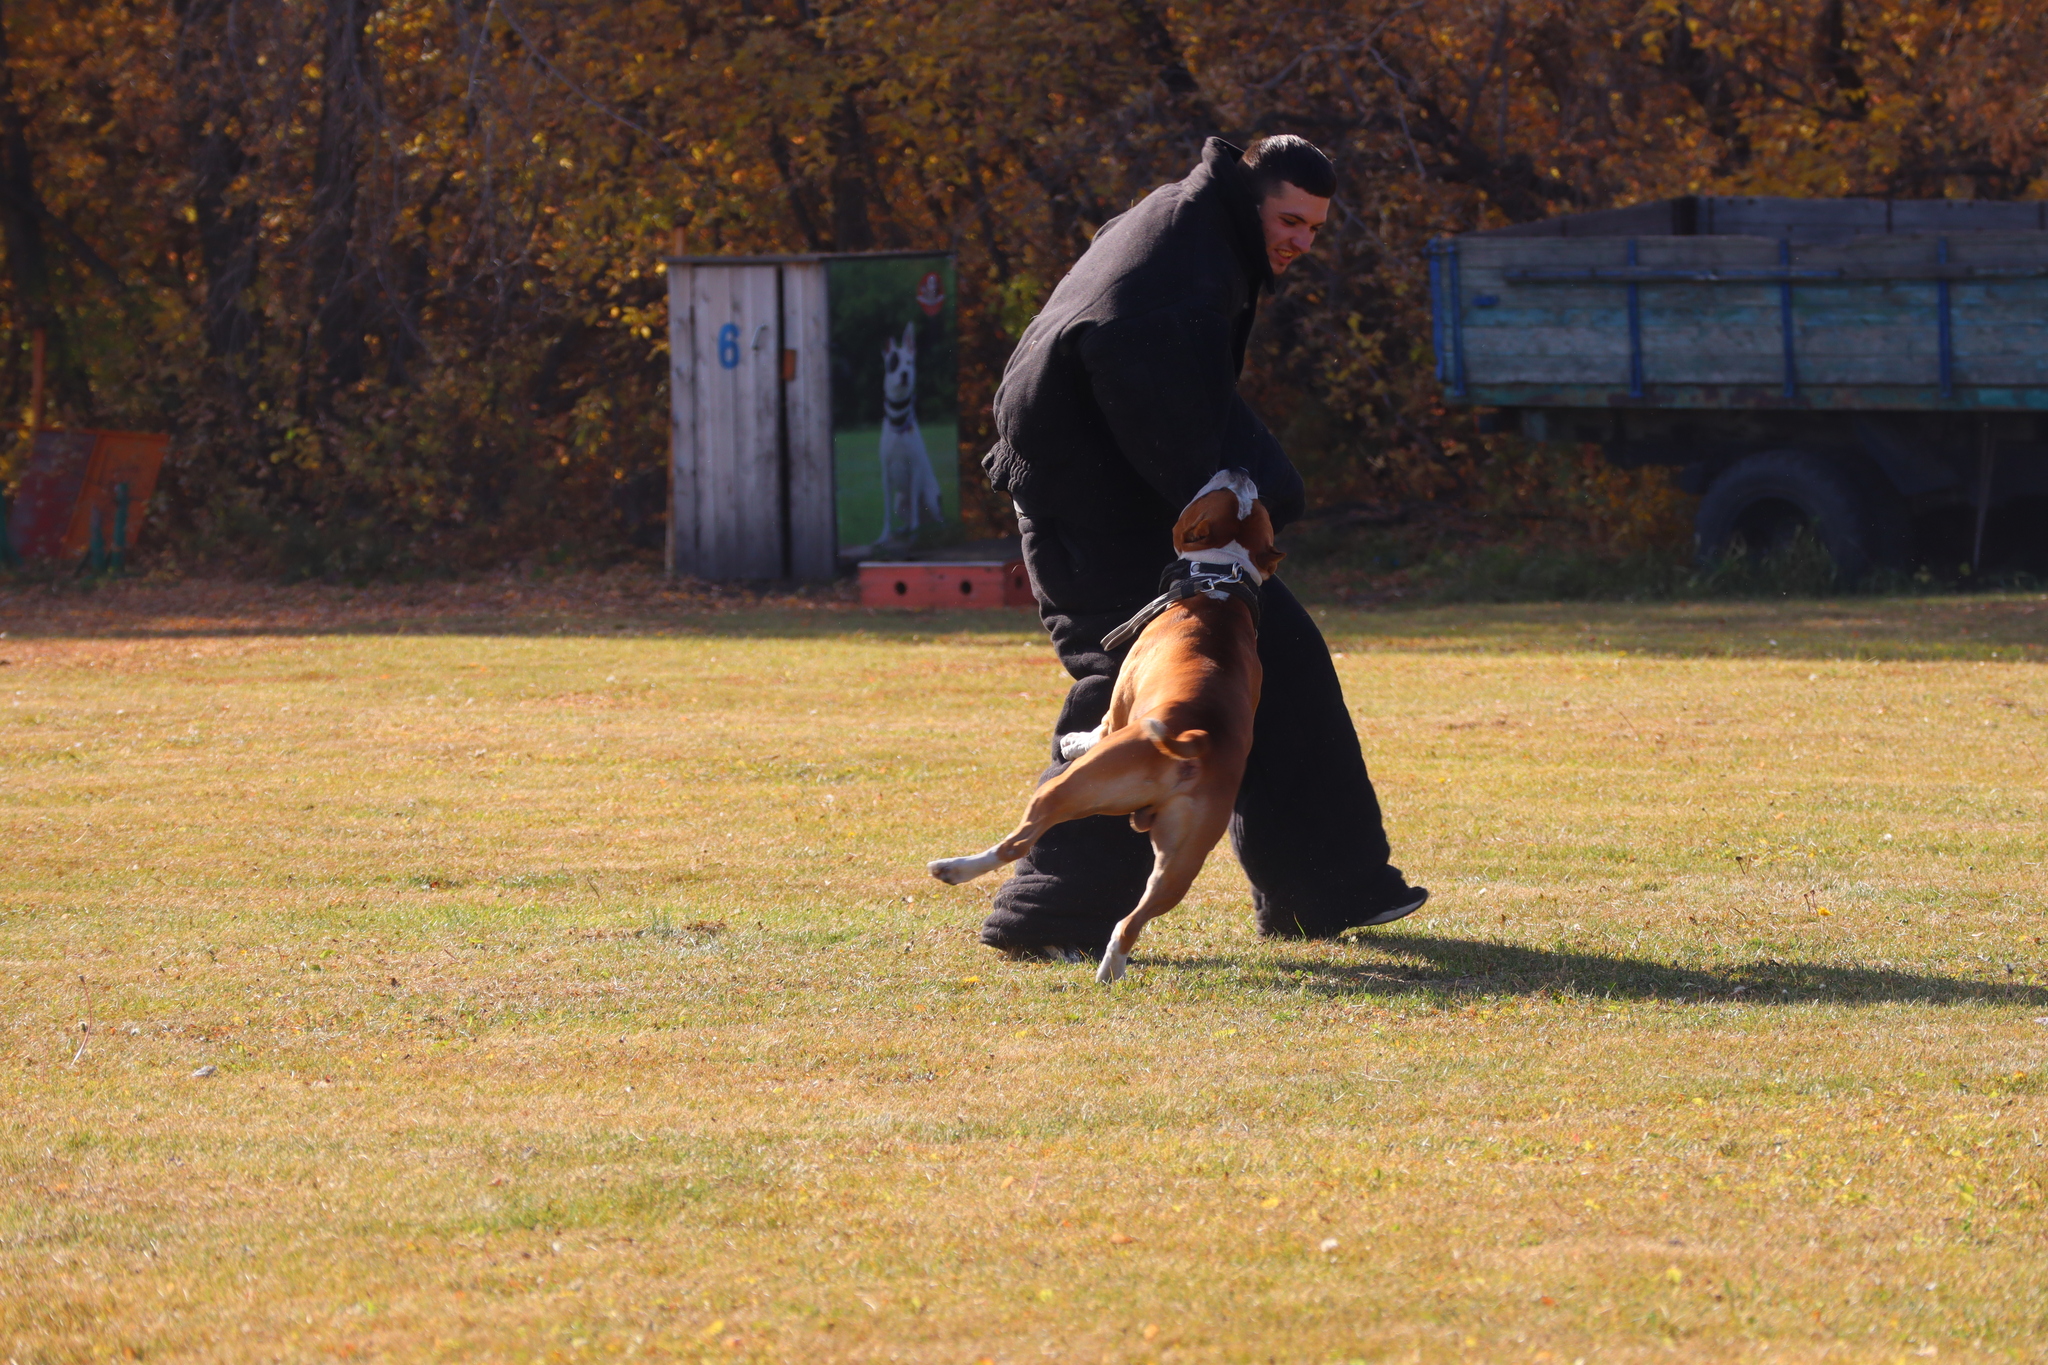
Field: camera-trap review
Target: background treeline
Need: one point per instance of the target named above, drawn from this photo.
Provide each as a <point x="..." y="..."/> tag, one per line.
<point x="386" y="270"/>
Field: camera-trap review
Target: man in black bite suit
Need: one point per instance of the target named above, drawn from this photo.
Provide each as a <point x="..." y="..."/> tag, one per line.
<point x="1119" y="404"/>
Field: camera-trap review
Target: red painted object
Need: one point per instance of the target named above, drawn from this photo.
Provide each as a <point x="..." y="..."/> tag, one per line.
<point x="70" y="476"/>
<point x="927" y="584"/>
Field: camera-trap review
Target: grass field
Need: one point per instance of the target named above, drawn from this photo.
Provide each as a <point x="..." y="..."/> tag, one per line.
<point x="549" y="973"/>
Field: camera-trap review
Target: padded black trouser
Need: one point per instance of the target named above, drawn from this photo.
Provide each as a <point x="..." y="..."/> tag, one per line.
<point x="1307" y="827"/>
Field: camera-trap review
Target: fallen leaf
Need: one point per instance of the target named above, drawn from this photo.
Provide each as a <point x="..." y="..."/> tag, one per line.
<point x="1151" y="1330"/>
<point x="1122" y="1239"/>
<point x="203" y="1072"/>
<point x="1269" y="1203"/>
<point x="1328" y="1245"/>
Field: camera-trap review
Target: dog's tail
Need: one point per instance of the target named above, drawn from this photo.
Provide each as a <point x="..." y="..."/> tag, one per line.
<point x="1186" y="744"/>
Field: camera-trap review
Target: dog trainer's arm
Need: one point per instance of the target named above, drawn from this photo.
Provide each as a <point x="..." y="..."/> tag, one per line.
<point x="1257" y="452"/>
<point x="1166" y="382"/>
<point x="1163" y="381"/>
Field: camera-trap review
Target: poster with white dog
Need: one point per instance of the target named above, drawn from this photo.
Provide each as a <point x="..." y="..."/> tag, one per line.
<point x="895" y="406"/>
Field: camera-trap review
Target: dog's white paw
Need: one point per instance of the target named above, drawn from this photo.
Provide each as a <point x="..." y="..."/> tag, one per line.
<point x="1077" y="742"/>
<point x="954" y="871"/>
<point x="1114" y="961"/>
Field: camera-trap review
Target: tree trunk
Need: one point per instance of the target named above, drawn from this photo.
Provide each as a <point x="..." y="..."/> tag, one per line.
<point x="333" y="253"/>
<point x="208" y="77"/>
<point x="848" y="139"/>
<point x="21" y="228"/>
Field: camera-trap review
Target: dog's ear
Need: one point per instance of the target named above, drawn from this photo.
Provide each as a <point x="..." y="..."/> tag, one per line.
<point x="910" y="336"/>
<point x="1255" y="533"/>
<point x="1207" y="522"/>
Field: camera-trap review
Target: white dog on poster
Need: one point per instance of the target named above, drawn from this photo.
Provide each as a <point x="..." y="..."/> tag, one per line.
<point x="910" y="491"/>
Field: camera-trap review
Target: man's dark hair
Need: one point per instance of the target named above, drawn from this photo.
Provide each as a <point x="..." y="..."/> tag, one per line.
<point x="1294" y="160"/>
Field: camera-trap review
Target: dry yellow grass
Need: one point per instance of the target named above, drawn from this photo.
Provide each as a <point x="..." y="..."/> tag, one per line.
<point x="573" y="989"/>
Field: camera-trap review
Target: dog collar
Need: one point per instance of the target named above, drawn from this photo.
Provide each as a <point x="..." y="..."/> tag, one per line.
<point x="897" y="415"/>
<point x="1182" y="579"/>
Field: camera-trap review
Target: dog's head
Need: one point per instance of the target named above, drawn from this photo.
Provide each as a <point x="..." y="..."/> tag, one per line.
<point x="1211" y="521"/>
<point x="899" y="365"/>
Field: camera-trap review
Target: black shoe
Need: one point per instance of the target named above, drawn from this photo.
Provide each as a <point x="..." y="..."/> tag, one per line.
<point x="1404" y="906"/>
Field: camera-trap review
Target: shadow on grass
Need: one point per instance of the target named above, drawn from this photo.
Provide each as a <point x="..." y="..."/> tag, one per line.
<point x="1422" y="964"/>
<point x="2009" y="628"/>
<point x="216" y="611"/>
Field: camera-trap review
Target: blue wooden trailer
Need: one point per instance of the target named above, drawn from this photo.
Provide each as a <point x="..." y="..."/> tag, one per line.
<point x="1874" y="370"/>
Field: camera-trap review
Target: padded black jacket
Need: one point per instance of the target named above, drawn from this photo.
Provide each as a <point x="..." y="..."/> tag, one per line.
<point x="1121" y="398"/>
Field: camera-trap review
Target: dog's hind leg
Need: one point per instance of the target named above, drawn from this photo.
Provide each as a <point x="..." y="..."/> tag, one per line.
<point x="1039" y="817"/>
<point x="1181" y="840"/>
<point x="1110" y="779"/>
<point x="955" y="871"/>
<point x="958" y="871"/>
<point x="1047" y="808"/>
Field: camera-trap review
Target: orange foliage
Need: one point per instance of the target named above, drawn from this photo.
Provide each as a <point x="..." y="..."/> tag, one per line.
<point x="387" y="270"/>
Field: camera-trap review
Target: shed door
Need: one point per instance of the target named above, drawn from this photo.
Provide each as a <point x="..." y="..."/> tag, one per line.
<point x="727" y="516"/>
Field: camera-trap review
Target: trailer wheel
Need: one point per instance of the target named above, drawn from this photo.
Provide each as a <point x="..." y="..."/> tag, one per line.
<point x="1766" y="499"/>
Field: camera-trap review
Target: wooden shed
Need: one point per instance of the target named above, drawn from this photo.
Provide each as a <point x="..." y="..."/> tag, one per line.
<point x="755" y="451"/>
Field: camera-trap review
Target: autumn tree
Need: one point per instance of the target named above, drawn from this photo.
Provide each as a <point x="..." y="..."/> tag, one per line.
<point x="387" y="269"/>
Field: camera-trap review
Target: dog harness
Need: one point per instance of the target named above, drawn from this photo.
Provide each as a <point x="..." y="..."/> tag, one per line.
<point x="1182" y="579"/>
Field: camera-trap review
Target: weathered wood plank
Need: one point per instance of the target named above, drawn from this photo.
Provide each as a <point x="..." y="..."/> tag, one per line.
<point x="757" y="514"/>
<point x="711" y="309"/>
<point x="739" y="506"/>
<point x="683" y="550"/>
<point x="1966" y="215"/>
<point x="807" y="394"/>
<point x="1807" y="219"/>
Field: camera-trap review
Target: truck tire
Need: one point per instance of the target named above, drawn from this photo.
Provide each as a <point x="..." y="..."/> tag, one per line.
<point x="1766" y="498"/>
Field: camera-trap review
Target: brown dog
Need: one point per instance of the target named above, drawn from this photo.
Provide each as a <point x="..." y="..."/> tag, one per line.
<point x="1172" y="749"/>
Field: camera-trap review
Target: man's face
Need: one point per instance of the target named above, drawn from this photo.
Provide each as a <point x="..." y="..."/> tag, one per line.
<point x="1291" y="217"/>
